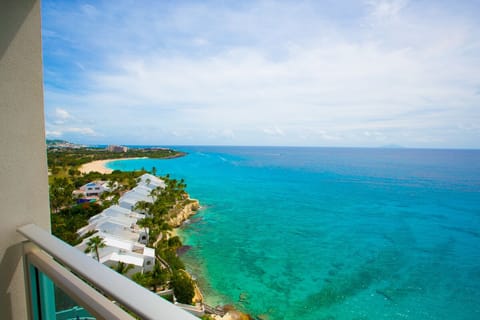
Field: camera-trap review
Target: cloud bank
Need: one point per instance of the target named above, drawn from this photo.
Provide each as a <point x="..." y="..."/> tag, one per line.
<point x="263" y="73"/>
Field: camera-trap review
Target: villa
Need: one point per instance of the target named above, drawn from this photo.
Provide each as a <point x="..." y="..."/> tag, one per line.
<point x="150" y="181"/>
<point x="96" y="188"/>
<point x="117" y="225"/>
<point x="142" y="192"/>
<point x="118" y="250"/>
<point x="118" y="222"/>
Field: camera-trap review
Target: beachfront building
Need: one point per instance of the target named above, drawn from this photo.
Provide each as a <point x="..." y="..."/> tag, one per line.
<point x="142" y="192"/>
<point x="117" y="222"/>
<point x="150" y="181"/>
<point x="118" y="250"/>
<point x="130" y="198"/>
<point x="125" y="241"/>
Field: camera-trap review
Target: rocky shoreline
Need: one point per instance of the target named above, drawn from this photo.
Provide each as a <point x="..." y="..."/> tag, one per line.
<point x="227" y="312"/>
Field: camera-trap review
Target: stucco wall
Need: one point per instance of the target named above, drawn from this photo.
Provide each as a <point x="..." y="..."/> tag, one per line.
<point x="23" y="168"/>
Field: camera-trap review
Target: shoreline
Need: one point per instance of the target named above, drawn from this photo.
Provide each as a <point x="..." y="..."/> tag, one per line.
<point x="181" y="216"/>
<point x="101" y="165"/>
<point x="219" y="311"/>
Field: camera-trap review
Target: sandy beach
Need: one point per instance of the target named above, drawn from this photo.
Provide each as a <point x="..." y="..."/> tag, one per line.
<point x="100" y="165"/>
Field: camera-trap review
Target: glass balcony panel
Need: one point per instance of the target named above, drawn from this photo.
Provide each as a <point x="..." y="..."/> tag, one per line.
<point x="50" y="302"/>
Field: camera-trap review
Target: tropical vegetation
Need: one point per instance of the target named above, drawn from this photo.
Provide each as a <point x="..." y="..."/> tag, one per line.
<point x="67" y="216"/>
<point x="94" y="244"/>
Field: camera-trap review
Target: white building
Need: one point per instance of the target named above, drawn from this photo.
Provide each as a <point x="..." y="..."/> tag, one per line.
<point x="119" y="222"/>
<point x="130" y="198"/>
<point x="95" y="188"/>
<point x="114" y="148"/>
<point x="118" y="250"/>
<point x="117" y="225"/>
<point x="146" y="183"/>
<point x="150" y="181"/>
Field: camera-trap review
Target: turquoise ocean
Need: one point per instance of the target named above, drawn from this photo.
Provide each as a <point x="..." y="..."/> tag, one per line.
<point x="333" y="233"/>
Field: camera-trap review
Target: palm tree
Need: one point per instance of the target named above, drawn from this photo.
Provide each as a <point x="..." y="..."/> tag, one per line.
<point x="155" y="193"/>
<point x="146" y="223"/>
<point x="143" y="207"/>
<point x="122" y="267"/>
<point x="94" y="244"/>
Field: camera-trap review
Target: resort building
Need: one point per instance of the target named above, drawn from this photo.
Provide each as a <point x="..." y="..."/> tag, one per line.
<point x="130" y="198"/>
<point x="118" y="222"/>
<point x="117" y="225"/>
<point x="114" y="148"/>
<point x="142" y="192"/>
<point x="150" y="181"/>
<point x="118" y="250"/>
<point x="96" y="188"/>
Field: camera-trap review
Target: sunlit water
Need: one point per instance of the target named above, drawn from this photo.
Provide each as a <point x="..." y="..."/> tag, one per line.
<point x="326" y="233"/>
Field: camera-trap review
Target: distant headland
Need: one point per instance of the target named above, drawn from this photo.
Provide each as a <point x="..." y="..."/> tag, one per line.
<point x="64" y="155"/>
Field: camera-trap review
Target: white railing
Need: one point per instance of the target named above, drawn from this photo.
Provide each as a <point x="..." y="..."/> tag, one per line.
<point x="91" y="274"/>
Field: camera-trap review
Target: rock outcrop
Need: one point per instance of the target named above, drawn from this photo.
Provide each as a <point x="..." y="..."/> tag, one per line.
<point x="179" y="216"/>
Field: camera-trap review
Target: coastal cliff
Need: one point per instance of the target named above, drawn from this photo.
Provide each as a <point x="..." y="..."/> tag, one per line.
<point x="180" y="214"/>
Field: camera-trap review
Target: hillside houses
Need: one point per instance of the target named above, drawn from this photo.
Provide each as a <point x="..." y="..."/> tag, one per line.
<point x="142" y="192"/>
<point x="117" y="225"/>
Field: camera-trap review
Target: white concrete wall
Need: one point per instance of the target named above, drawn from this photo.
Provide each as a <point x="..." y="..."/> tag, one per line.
<point x="23" y="162"/>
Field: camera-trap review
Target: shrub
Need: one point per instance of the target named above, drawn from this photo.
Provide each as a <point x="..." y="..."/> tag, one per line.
<point x="183" y="287"/>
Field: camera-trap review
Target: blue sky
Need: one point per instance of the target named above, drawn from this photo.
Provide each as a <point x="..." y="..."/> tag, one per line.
<point x="299" y="73"/>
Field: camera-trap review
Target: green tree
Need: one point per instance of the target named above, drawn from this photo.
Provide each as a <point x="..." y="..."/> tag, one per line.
<point x="122" y="267"/>
<point x="142" y="206"/>
<point x="183" y="287"/>
<point x="160" y="276"/>
<point x="60" y="194"/>
<point x="142" y="279"/>
<point x="174" y="243"/>
<point x="93" y="244"/>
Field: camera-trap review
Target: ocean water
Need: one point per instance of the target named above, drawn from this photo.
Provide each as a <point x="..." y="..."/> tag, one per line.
<point x="333" y="233"/>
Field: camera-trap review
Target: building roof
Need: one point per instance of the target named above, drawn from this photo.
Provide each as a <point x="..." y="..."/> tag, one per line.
<point x="127" y="258"/>
<point x="153" y="181"/>
<point x="117" y="225"/>
<point x="149" y="252"/>
<point x="117" y="211"/>
<point x="133" y="195"/>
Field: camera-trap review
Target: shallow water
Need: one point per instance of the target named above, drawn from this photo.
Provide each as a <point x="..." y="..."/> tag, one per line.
<point x="333" y="233"/>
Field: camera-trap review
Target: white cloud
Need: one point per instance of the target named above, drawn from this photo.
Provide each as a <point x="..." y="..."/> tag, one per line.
<point x="287" y="73"/>
<point x="386" y="9"/>
<point x="69" y="130"/>
<point x="276" y="131"/>
<point x="85" y="131"/>
<point x="62" y="114"/>
<point x="53" y="134"/>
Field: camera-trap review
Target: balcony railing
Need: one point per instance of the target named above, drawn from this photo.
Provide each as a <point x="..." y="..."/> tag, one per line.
<point x="64" y="283"/>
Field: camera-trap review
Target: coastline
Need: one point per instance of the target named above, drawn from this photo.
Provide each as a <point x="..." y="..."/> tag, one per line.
<point x="226" y="312"/>
<point x="101" y="165"/>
